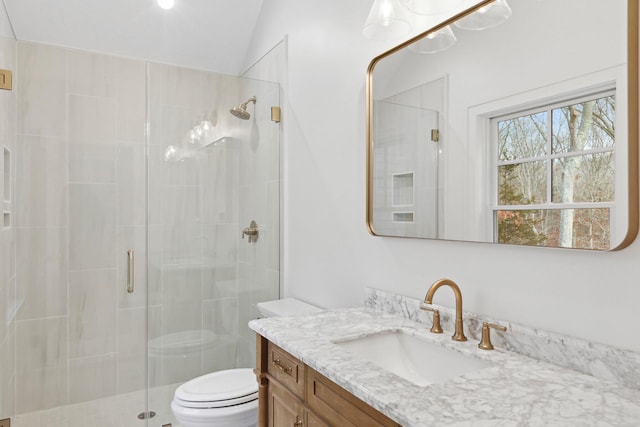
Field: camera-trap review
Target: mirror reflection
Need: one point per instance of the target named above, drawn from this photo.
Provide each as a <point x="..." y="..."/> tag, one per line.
<point x="514" y="132"/>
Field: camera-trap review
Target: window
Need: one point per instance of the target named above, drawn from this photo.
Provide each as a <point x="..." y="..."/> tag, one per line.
<point x="554" y="174"/>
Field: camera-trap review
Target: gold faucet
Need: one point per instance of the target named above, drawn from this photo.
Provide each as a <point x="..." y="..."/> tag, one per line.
<point x="459" y="333"/>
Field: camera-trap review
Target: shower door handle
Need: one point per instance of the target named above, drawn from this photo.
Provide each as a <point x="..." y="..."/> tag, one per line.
<point x="130" y="280"/>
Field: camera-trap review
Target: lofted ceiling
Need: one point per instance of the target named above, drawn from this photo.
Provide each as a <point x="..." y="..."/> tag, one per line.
<point x="206" y="34"/>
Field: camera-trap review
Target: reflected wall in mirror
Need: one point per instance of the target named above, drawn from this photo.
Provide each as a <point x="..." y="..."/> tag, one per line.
<point x="524" y="133"/>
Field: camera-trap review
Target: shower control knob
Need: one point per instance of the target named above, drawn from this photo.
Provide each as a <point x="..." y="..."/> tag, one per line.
<point x="252" y="232"/>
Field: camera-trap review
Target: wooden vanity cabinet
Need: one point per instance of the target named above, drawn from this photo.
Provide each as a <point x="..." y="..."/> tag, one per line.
<point x="285" y="409"/>
<point x="294" y="395"/>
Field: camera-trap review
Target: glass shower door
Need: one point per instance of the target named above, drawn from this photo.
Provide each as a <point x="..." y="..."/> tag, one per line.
<point x="78" y="336"/>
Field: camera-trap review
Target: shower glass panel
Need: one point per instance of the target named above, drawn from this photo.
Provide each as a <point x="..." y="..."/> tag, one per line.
<point x="209" y="174"/>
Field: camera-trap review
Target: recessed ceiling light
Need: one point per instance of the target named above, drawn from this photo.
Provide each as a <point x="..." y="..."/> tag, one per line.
<point x="166" y="4"/>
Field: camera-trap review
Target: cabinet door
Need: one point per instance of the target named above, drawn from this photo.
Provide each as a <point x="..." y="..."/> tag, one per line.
<point x="314" y="421"/>
<point x="285" y="410"/>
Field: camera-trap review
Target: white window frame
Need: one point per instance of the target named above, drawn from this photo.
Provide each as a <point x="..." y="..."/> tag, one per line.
<point x="480" y="180"/>
<point x="548" y="157"/>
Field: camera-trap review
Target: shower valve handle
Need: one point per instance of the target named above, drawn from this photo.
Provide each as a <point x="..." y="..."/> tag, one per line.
<point x="252" y="231"/>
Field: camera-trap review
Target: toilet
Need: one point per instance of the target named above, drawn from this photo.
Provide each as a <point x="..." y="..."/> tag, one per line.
<point x="229" y="398"/>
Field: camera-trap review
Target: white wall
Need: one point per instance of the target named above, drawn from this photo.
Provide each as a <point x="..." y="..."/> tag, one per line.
<point x="5" y="26"/>
<point x="330" y="257"/>
<point x="201" y="34"/>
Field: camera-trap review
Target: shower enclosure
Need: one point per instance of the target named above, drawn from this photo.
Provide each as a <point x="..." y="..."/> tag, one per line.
<point x="407" y="201"/>
<point x="407" y="160"/>
<point x="124" y="268"/>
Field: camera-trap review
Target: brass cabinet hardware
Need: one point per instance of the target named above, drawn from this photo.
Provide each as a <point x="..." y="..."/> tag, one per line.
<point x="459" y="332"/>
<point x="278" y="364"/>
<point x="485" y="342"/>
<point x="436" y="328"/>
<point x="252" y="231"/>
<point x="298" y="423"/>
<point x="130" y="277"/>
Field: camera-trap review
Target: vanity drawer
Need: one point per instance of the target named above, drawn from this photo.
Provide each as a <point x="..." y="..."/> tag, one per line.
<point x="339" y="407"/>
<point x="285" y="368"/>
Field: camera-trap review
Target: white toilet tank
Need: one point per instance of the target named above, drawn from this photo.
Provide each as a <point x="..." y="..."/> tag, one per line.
<point x="286" y="307"/>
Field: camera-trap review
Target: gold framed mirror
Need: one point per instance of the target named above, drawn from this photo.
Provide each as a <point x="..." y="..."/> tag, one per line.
<point x="523" y="133"/>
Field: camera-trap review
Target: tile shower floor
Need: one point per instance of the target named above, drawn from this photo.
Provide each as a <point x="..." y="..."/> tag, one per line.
<point x="115" y="411"/>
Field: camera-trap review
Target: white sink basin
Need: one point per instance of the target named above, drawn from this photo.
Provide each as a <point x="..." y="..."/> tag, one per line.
<point x="413" y="358"/>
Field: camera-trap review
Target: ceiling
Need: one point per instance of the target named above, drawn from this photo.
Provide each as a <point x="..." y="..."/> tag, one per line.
<point x="206" y="34"/>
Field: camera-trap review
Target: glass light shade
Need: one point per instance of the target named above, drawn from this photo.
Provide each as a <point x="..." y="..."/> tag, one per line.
<point x="486" y="17"/>
<point x="192" y="138"/>
<point x="208" y="132"/>
<point x="431" y="7"/>
<point x="435" y="42"/>
<point x="171" y="154"/>
<point x="387" y="20"/>
<point x="166" y="4"/>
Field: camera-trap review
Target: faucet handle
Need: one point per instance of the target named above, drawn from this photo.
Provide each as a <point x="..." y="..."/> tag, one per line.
<point x="485" y="342"/>
<point x="436" y="328"/>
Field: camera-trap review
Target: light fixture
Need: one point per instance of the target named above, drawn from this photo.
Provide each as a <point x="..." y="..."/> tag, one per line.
<point x="434" y="42"/>
<point x="166" y="4"/>
<point x="202" y="134"/>
<point x="387" y="20"/>
<point x="486" y="17"/>
<point x="431" y="7"/>
<point x="392" y="19"/>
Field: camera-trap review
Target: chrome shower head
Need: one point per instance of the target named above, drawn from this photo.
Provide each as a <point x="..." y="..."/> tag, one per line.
<point x="241" y="111"/>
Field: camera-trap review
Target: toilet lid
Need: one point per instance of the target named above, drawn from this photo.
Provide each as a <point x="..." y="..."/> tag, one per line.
<point x="218" y="389"/>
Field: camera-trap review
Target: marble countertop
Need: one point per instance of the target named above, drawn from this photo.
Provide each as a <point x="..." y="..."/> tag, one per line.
<point x="517" y="391"/>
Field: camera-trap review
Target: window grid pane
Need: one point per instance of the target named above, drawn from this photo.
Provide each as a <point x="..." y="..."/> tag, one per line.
<point x="562" y="155"/>
<point x="522" y="183"/>
<point x="584" y="126"/>
<point x="522" y="137"/>
<point x="593" y="179"/>
<point x="543" y="227"/>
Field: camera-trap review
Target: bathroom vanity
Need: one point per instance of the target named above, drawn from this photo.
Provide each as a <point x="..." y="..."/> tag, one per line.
<point x="307" y="377"/>
<point x="294" y="394"/>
